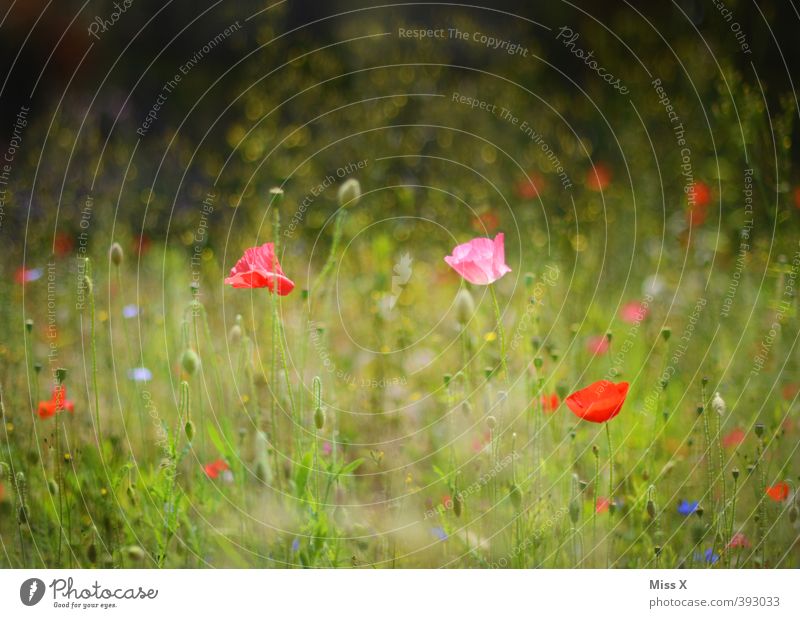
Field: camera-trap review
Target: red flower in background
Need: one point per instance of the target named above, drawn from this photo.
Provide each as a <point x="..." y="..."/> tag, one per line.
<point x="778" y="492"/>
<point x="142" y="244"/>
<point x="797" y="197"/>
<point x="530" y="188"/>
<point x="486" y="222"/>
<point x="259" y="268"/>
<point x="734" y="438"/>
<point x="63" y="244"/>
<point x="602" y="505"/>
<point x="215" y="468"/>
<point x="550" y="403"/>
<point x="699" y="194"/>
<point x="597" y="344"/>
<point x="598" y="402"/>
<point x="790" y="390"/>
<point x="598" y="177"/>
<point x="57" y="402"/>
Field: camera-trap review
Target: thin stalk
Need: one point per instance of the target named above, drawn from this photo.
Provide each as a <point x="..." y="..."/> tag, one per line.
<point x="501" y="333"/>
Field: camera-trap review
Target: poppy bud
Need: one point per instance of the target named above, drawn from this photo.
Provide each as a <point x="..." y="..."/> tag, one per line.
<point x="235" y="334"/>
<point x="37" y="367"/>
<point x="562" y="390"/>
<point x="718" y="404"/>
<point x="574" y="511"/>
<point x="349" y="193"/>
<point x="190" y="361"/>
<point x="704" y="380"/>
<point x="515" y="495"/>
<point x="536" y="342"/>
<point x="760" y="429"/>
<point x="612" y="507"/>
<point x="735" y="473"/>
<point x="595" y="450"/>
<point x="116" y="254"/>
<point x="135" y="553"/>
<point x="666" y="332"/>
<point x="465" y="306"/>
<point x="29" y="325"/>
<point x="466" y="408"/>
<point x="538" y="362"/>
<point x="61" y="375"/>
<point x="188" y="429"/>
<point x="457" y="504"/>
<point x="319" y="418"/>
<point x="657" y="550"/>
<point x="447" y="378"/>
<point x="651" y="509"/>
<point x="793" y="513"/>
<point x="699" y="511"/>
<point x="491" y="422"/>
<point x="529" y="278"/>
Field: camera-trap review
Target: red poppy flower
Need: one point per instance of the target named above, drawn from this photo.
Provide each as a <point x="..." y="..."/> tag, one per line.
<point x="778" y="492"/>
<point x="550" y="403"/>
<point x="602" y="505"/>
<point x="597" y="344"/>
<point x="530" y="188"/>
<point x="57" y="403"/>
<point x="487" y="222"/>
<point x="215" y="468"/>
<point x="734" y="438"/>
<point x="63" y="244"/>
<point x="2" y="492"/>
<point x="696" y="215"/>
<point x="598" y="402"/>
<point x="790" y="390"/>
<point x="259" y="268"/>
<point x="141" y="245"/>
<point x="698" y="194"/>
<point x="599" y="177"/>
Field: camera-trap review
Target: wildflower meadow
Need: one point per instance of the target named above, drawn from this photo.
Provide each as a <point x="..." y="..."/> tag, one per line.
<point x="399" y="286"/>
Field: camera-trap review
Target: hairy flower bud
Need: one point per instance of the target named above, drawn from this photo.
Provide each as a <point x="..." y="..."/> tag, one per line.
<point x="465" y="306"/>
<point x="718" y="404"/>
<point x="116" y="254"/>
<point x="349" y="193"/>
<point x="190" y="361"/>
<point x="319" y="417"/>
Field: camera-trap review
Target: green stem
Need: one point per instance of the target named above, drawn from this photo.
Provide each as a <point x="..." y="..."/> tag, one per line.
<point x="501" y="333"/>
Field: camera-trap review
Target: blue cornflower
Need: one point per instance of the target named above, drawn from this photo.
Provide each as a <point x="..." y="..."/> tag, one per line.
<point x="140" y="374"/>
<point x="130" y="311"/>
<point x="687" y="507"/>
<point x="439" y="533"/>
<point x="295" y="545"/>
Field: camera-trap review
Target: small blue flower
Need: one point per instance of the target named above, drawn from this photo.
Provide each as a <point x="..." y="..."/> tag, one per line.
<point x="709" y="556"/>
<point x="295" y="545"/>
<point x="140" y="374"/>
<point x="439" y="533"/>
<point x="687" y="507"/>
<point x="130" y="311"/>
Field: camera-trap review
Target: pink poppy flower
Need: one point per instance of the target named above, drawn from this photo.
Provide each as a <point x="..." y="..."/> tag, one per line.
<point x="739" y="540"/>
<point x="597" y="344"/>
<point x="734" y="438"/>
<point x="259" y="268"/>
<point x="633" y="312"/>
<point x="481" y="260"/>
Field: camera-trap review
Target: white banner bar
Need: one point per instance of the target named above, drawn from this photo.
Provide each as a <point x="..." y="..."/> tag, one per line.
<point x="400" y="594"/>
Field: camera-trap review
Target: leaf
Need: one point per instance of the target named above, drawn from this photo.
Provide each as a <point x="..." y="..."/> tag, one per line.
<point x="351" y="467"/>
<point x="301" y="477"/>
<point x="216" y="439"/>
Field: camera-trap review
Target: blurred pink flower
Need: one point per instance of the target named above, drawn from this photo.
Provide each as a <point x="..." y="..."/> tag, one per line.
<point x="597" y="344"/>
<point x="481" y="260"/>
<point x="599" y="177"/>
<point x="633" y="312"/>
<point x="739" y="540"/>
<point x="259" y="268"/>
<point x="734" y="438"/>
